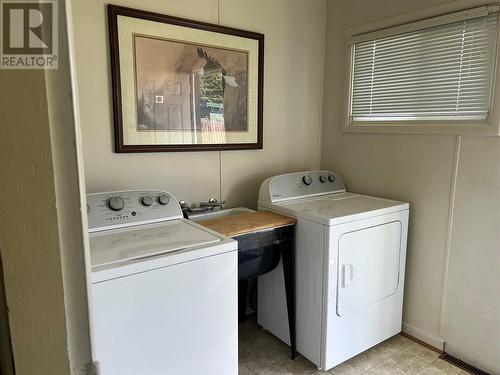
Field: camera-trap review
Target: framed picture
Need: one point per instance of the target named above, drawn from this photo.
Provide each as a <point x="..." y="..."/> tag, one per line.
<point x="181" y="85"/>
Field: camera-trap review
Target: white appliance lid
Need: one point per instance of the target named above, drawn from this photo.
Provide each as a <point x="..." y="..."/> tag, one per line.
<point x="122" y="245"/>
<point x="338" y="208"/>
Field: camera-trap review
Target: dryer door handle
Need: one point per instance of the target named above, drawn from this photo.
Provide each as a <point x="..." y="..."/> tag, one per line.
<point x="347" y="275"/>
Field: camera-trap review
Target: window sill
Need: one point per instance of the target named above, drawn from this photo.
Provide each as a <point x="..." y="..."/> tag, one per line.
<point x="414" y="127"/>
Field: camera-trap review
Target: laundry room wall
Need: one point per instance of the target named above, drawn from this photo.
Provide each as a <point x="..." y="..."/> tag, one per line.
<point x="452" y="184"/>
<point x="30" y="249"/>
<point x="294" y="41"/>
<point x="43" y="278"/>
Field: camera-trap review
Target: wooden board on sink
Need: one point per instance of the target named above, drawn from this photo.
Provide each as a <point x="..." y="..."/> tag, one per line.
<point x="252" y="222"/>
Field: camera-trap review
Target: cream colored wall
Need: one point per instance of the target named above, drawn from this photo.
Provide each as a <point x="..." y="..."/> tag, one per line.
<point x="29" y="242"/>
<point x="472" y="314"/>
<point x="420" y="169"/>
<point x="292" y="101"/>
<point x="41" y="231"/>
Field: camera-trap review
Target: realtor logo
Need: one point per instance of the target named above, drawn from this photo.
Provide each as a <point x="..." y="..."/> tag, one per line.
<point x="29" y="35"/>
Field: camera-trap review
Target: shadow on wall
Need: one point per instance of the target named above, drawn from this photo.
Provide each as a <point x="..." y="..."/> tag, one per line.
<point x="6" y="360"/>
<point x="245" y="193"/>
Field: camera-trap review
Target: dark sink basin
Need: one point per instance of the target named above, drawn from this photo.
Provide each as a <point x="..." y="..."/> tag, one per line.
<point x="259" y="252"/>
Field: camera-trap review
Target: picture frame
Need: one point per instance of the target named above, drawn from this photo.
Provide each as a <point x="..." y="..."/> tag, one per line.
<point x="184" y="85"/>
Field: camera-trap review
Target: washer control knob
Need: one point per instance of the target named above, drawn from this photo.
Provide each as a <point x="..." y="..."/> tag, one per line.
<point x="307" y="180"/>
<point x="322" y="178"/>
<point x="147" y="200"/>
<point x="116" y="203"/>
<point x="331" y="178"/>
<point x="163" y="199"/>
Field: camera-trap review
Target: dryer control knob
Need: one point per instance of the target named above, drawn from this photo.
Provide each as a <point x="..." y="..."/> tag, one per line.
<point x="307" y="180"/>
<point x="331" y="178"/>
<point x="163" y="199"/>
<point x="322" y="178"/>
<point x="147" y="200"/>
<point x="116" y="203"/>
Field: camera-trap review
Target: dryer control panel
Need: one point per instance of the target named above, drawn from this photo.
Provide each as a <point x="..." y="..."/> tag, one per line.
<point x="125" y="208"/>
<point x="300" y="184"/>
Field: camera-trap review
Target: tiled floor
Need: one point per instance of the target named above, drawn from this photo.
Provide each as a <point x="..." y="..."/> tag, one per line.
<point x="262" y="353"/>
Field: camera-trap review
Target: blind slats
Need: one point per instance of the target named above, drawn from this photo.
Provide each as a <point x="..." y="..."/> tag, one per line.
<point x="430" y="83"/>
<point x="416" y="94"/>
<point x="472" y="72"/>
<point x="441" y="72"/>
<point x="407" y="44"/>
<point x="440" y="34"/>
<point x="447" y="51"/>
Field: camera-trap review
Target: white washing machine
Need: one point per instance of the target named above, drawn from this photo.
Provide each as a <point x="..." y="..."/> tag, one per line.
<point x="164" y="289"/>
<point x="350" y="252"/>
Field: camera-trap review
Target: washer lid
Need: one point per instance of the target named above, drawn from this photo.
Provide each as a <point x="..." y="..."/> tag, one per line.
<point x="340" y="208"/>
<point x="112" y="247"/>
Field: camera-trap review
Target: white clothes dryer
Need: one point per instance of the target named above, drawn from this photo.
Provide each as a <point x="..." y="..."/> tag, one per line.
<point x="350" y="252"/>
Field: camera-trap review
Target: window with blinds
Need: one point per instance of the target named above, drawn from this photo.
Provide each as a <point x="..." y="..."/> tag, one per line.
<point x="436" y="69"/>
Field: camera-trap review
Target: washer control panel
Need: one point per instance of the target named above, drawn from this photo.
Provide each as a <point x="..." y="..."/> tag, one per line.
<point x="124" y="208"/>
<point x="300" y="184"/>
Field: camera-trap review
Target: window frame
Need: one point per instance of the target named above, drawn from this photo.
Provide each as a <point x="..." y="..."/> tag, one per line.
<point x="399" y="25"/>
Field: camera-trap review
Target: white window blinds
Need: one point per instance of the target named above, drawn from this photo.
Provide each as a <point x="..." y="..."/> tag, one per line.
<point x="438" y="72"/>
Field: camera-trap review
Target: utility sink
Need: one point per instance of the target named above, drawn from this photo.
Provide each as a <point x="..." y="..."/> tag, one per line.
<point x="262" y="241"/>
<point x="258" y="251"/>
<point x="217" y="214"/>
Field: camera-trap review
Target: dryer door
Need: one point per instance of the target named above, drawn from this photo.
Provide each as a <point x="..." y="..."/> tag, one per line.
<point x="368" y="266"/>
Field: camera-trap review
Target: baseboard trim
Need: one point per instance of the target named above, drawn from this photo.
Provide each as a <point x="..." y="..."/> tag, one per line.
<point x="425" y="337"/>
<point x="420" y="342"/>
